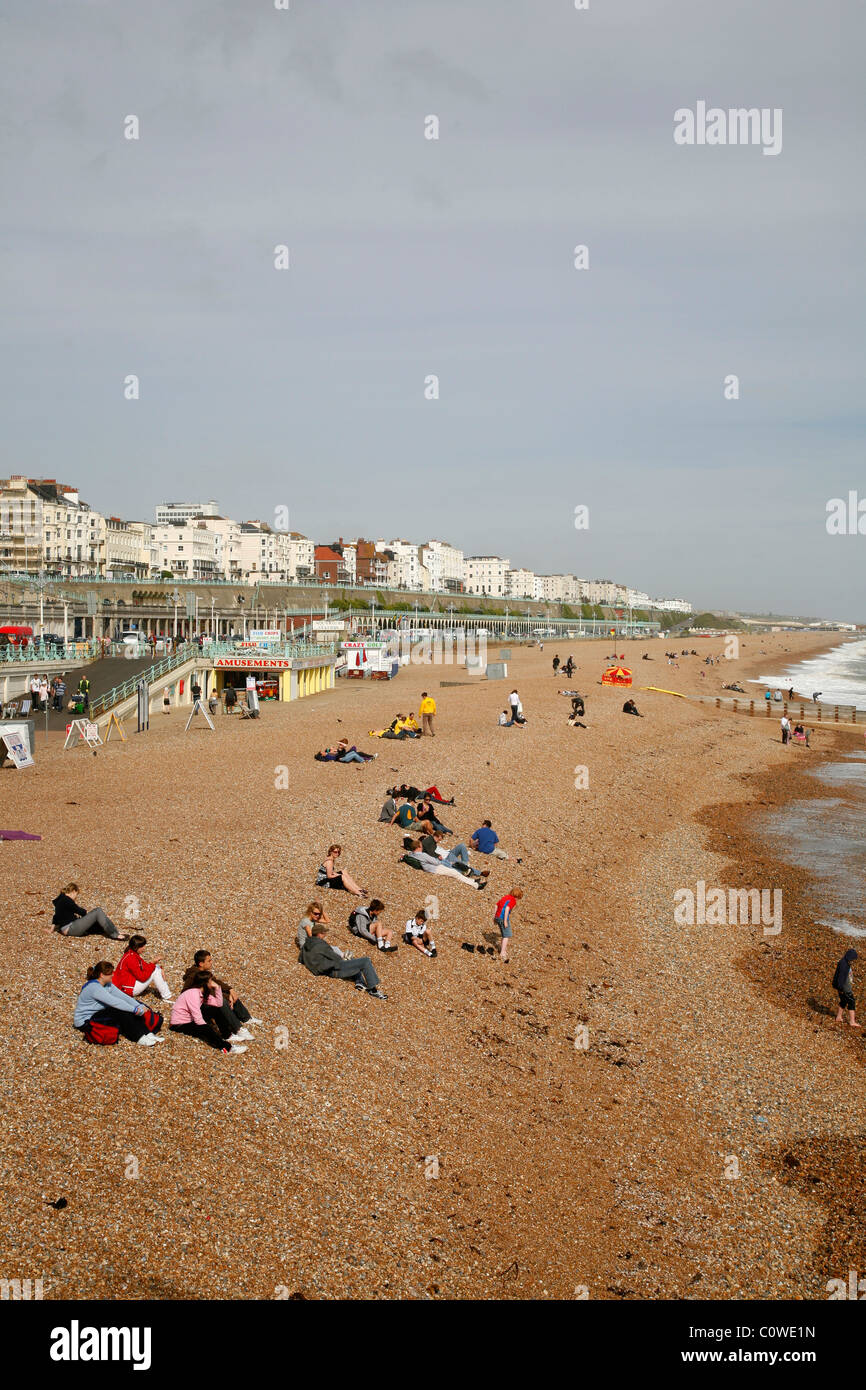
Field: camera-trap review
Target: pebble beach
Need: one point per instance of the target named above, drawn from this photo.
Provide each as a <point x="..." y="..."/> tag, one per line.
<point x="629" y="1109"/>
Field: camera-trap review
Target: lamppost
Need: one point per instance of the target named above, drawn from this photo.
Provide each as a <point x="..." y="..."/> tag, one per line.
<point x="242" y="601"/>
<point x="212" y="622"/>
<point x="175" y="599"/>
<point x="373" y="629"/>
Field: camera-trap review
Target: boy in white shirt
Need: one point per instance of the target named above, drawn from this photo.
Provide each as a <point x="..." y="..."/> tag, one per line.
<point x="417" y="935"/>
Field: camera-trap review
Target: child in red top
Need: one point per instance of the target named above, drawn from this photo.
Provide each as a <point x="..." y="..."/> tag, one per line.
<point x="134" y="975"/>
<point x="502" y="918"/>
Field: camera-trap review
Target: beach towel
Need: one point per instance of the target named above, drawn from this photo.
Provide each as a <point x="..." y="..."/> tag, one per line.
<point x="17" y="835"/>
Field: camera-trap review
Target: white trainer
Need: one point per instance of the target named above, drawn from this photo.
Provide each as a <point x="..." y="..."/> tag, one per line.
<point x="148" y="1040"/>
<point x="235" y="1049"/>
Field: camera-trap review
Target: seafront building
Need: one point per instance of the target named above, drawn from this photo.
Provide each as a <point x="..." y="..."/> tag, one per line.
<point x="47" y="530"/>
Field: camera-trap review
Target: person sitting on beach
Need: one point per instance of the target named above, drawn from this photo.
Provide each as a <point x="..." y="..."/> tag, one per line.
<point x="631" y="708"/>
<point x="417" y="858"/>
<point x="486" y="841"/>
<point x="364" y="922"/>
<point x="305" y="927"/>
<point x="101" y="1005"/>
<point x="134" y="975"/>
<point x="407" y="816"/>
<point x="71" y="919"/>
<point x="240" y="1015"/>
<point x="329" y="875"/>
<point x="320" y="958"/>
<point x="187" y="1013"/>
<point x="427" y="816"/>
<point x="843" y="983"/>
<point x="388" y="812"/>
<point x="411" y="727"/>
<point x="455" y="858"/>
<point x="417" y="934"/>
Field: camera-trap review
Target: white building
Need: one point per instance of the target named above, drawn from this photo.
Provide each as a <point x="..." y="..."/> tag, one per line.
<point x="301" y="556"/>
<point x="264" y="554"/>
<point x="521" y="583"/>
<point x="44" y="526"/>
<point x="167" y="512"/>
<point x="444" y="564"/>
<point x="404" y="569"/>
<point x="560" y="588"/>
<point x="187" y="550"/>
<point x="148" y="549"/>
<point x="599" y="591"/>
<point x="125" y="553"/>
<point x="486" y="574"/>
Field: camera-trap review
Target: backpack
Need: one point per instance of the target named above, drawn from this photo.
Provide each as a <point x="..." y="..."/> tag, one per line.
<point x="151" y="1020"/>
<point x="100" y="1034"/>
<point x="321" y="877"/>
<point x="356" y="920"/>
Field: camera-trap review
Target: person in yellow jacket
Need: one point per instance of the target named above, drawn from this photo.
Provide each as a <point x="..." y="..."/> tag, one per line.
<point x="427" y="709"/>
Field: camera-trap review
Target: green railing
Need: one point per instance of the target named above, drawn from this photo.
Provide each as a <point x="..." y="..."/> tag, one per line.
<point x="160" y="668"/>
<point x="50" y="651"/>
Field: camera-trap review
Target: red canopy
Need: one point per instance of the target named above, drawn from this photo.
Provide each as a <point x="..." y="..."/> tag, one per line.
<point x="616" y="675"/>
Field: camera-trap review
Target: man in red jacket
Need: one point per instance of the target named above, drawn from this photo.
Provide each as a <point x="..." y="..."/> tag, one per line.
<point x="134" y="975"/>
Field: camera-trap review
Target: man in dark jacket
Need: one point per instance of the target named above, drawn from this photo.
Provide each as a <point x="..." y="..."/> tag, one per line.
<point x="843" y="983"/>
<point x="322" y="959"/>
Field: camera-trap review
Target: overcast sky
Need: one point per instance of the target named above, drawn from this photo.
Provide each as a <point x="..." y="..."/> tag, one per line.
<point x="409" y="257"/>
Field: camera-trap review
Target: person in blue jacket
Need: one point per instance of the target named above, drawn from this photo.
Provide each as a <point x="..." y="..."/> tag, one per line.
<point x="102" y="1002"/>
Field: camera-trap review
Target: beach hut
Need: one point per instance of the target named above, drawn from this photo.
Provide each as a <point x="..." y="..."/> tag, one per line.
<point x="616" y="675"/>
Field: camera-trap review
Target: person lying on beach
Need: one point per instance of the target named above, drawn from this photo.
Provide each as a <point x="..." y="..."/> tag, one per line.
<point x="415" y="793"/>
<point x="321" y="958"/>
<point x="417" y="935"/>
<point x="187" y="1014"/>
<point x="101" y="1006"/>
<point x="364" y="922"/>
<point x="71" y="919"/>
<point x="342" y="753"/>
<point x="329" y="875"/>
<point x="631" y="708"/>
<point x="416" y="858"/>
<point x="843" y="983"/>
<point x="134" y="975"/>
<point x="202" y="960"/>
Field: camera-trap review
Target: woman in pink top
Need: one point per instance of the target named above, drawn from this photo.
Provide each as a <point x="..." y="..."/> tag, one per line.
<point x="186" y="1013"/>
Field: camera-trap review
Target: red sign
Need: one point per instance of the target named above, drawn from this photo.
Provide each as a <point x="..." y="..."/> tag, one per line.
<point x="251" y="662"/>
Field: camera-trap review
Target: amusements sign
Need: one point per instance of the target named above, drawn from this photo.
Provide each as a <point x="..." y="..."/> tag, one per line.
<point x="260" y="663"/>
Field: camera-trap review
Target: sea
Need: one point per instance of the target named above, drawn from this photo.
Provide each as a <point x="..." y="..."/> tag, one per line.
<point x="827" y="836"/>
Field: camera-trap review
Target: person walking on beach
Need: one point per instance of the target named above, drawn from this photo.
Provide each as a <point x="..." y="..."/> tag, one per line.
<point x="427" y="710"/>
<point x="514" y="702"/>
<point x="843" y="983"/>
<point x="555" y="664"/>
<point x="786" y="728"/>
<point x="502" y="918"/>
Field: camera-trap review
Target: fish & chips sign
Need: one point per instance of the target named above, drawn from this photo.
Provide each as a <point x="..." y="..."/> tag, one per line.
<point x="260" y="663"/>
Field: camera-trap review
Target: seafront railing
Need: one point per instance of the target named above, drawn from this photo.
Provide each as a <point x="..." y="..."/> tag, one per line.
<point x="50" y="651"/>
<point x="113" y="697"/>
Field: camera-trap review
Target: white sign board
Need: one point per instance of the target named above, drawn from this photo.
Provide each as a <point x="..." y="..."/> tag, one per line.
<point x="16" y="749"/>
<point x="266" y="634"/>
